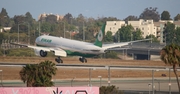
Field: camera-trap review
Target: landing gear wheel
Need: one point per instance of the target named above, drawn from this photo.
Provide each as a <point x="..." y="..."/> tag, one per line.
<point x="58" y="60"/>
<point x="83" y="60"/>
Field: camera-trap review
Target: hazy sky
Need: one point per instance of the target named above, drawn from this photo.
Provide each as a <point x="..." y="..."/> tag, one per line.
<point x="89" y="8"/>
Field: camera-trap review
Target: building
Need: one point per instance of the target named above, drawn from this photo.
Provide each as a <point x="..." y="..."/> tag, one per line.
<point x="44" y="15"/>
<point x="159" y="30"/>
<point x="177" y="23"/>
<point x="113" y="26"/>
<point x="146" y="26"/>
<point x="5" y="29"/>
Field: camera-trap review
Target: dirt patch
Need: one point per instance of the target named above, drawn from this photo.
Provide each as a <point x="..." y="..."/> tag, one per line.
<point x="12" y="73"/>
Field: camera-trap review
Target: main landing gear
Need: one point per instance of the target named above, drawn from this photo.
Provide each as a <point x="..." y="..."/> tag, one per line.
<point x="83" y="59"/>
<point x="58" y="60"/>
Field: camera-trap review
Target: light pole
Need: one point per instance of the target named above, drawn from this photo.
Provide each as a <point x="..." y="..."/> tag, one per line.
<point x="152" y="81"/>
<point x="153" y="86"/>
<point x="90" y="76"/>
<point x="72" y="81"/>
<point x="83" y="32"/>
<point x="3" y="42"/>
<point x="28" y="32"/>
<point x="1" y="77"/>
<point x="109" y="75"/>
<point x="131" y="38"/>
<point x="39" y="28"/>
<point x="149" y="87"/>
<point x="100" y="79"/>
<point x="18" y="33"/>
<point x="149" y="54"/>
<point x="158" y="81"/>
<point x="151" y="38"/>
<point x="70" y="30"/>
<point x="64" y="29"/>
<point x="169" y="81"/>
<point x="118" y="36"/>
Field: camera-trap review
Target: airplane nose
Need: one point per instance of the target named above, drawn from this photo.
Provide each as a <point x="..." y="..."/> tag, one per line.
<point x="37" y="39"/>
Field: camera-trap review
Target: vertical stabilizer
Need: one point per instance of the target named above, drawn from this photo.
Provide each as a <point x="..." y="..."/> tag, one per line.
<point x="100" y="36"/>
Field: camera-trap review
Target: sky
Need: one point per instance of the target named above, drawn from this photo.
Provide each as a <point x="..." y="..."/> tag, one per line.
<point x="89" y="8"/>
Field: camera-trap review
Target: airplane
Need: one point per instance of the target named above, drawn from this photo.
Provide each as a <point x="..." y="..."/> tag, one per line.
<point x="61" y="47"/>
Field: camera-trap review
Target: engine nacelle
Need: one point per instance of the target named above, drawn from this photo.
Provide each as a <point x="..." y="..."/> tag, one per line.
<point x="43" y="53"/>
<point x="40" y="53"/>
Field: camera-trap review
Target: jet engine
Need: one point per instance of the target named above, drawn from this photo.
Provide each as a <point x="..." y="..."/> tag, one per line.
<point x="40" y="53"/>
<point x="43" y="53"/>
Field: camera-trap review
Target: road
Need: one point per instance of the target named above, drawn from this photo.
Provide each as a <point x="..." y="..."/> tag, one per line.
<point x="139" y="84"/>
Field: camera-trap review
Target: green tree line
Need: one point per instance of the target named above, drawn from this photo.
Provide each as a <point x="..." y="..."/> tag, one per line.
<point x="29" y="28"/>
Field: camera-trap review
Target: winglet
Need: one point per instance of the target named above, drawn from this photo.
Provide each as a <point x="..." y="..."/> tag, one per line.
<point x="100" y="36"/>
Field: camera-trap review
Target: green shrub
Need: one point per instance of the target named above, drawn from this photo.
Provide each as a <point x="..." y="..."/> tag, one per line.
<point x="20" y="52"/>
<point x="110" y="90"/>
<point x="111" y="54"/>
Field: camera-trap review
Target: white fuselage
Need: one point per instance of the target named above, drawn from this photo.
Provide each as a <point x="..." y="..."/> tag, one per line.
<point x="68" y="45"/>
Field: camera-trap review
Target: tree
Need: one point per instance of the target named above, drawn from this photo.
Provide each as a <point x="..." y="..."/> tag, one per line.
<point x="19" y="19"/>
<point x="1" y="37"/>
<point x="45" y="27"/>
<point x="3" y="12"/>
<point x="137" y="35"/>
<point x="80" y="20"/>
<point x="88" y="35"/>
<point x="154" y="39"/>
<point x="177" y="17"/>
<point x="170" y="54"/>
<point x="28" y="18"/>
<point x="38" y="74"/>
<point x="108" y="37"/>
<point x="111" y="54"/>
<point x="165" y="15"/>
<point x="68" y="18"/>
<point x="45" y="71"/>
<point x="4" y="18"/>
<point x="150" y="13"/>
<point x="131" y="18"/>
<point x="125" y="33"/>
<point x="169" y="33"/>
<point x="23" y="28"/>
<point x="177" y="33"/>
<point x="52" y="19"/>
<point x="28" y="74"/>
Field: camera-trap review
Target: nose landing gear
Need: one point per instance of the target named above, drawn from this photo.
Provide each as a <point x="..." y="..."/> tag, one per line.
<point x="58" y="60"/>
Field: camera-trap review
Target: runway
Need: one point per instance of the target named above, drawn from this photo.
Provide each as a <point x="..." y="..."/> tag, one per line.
<point x="90" y="66"/>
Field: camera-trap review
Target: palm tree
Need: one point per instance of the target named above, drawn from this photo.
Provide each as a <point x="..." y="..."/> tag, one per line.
<point x="28" y="73"/>
<point x="38" y="74"/>
<point x="46" y="70"/>
<point x="170" y="54"/>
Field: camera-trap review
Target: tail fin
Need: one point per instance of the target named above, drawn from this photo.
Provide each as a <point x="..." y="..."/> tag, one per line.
<point x="100" y="36"/>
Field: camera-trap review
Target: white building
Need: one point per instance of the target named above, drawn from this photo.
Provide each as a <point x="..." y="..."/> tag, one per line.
<point x="146" y="26"/>
<point x="5" y="29"/>
<point x="44" y="15"/>
<point x="113" y="26"/>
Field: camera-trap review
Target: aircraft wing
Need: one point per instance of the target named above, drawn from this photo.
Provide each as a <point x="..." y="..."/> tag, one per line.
<point x="108" y="46"/>
<point x="57" y="51"/>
